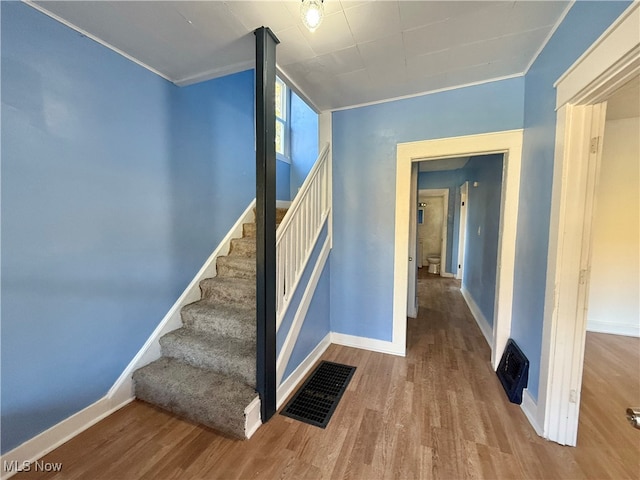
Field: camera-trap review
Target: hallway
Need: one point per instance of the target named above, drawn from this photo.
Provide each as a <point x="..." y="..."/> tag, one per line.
<point x="439" y="413"/>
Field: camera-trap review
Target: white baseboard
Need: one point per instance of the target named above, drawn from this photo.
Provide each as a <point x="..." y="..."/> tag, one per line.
<point x="481" y="320"/>
<point x="252" y="417"/>
<point x="43" y="443"/>
<point x="447" y="275"/>
<point x="364" y="343"/>
<point x="530" y="409"/>
<point x="613" y="328"/>
<point x="121" y="393"/>
<point x="293" y="380"/>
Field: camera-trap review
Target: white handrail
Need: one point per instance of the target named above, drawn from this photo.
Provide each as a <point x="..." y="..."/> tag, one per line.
<point x="299" y="231"/>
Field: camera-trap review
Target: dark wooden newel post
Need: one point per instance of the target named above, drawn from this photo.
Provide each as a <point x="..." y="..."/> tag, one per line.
<point x="266" y="43"/>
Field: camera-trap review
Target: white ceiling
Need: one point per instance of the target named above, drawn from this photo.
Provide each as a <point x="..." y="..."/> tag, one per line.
<point x="364" y="51"/>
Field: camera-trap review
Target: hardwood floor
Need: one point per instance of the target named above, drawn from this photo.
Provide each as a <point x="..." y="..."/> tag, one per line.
<point x="438" y="413"/>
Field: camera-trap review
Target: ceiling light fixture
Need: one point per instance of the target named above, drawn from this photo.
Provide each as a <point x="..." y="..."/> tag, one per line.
<point x="312" y="12"/>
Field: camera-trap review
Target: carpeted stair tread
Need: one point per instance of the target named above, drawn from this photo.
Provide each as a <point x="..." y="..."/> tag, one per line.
<point x="243" y="247"/>
<point x="229" y="291"/>
<point x="236" y="266"/>
<point x="229" y="321"/>
<point x="230" y="356"/>
<point x="200" y="395"/>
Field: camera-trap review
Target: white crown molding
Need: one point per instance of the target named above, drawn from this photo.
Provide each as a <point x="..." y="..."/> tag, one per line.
<point x="548" y="37"/>
<point x="216" y="73"/>
<point x="98" y="40"/>
<point x="297" y="89"/>
<point x="428" y="92"/>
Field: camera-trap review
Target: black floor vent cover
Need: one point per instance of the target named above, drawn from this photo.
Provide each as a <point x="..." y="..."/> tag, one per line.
<point x="513" y="372"/>
<point x="317" y="399"/>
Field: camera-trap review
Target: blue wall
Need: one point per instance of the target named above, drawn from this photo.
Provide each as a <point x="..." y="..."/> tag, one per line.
<point x="283" y="180"/>
<point x="304" y="142"/>
<point x="212" y="165"/>
<point x="364" y="166"/>
<point x="316" y="323"/>
<point x="483" y="216"/>
<point x="113" y="182"/>
<point x="584" y="23"/>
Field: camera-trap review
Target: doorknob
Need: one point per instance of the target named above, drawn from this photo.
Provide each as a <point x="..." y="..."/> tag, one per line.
<point x="411" y="259"/>
<point x="633" y="415"/>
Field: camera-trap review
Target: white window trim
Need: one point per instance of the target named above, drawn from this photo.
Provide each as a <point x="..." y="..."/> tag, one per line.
<point x="286" y="157"/>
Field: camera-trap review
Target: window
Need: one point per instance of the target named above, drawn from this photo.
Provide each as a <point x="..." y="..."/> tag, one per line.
<point x="282" y="125"/>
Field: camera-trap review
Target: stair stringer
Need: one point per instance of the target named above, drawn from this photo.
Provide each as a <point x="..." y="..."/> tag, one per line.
<point x="122" y="390"/>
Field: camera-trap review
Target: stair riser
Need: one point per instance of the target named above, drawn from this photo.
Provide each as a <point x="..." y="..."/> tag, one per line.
<point x="186" y="407"/>
<point x="280" y="213"/>
<point x="243" y="248"/>
<point x="235" y="366"/>
<point x="220" y="292"/>
<point x="249" y="230"/>
<point x="227" y="268"/>
<point x="236" y="326"/>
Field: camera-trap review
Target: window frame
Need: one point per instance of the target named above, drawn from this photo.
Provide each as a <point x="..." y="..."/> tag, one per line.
<point x="286" y="99"/>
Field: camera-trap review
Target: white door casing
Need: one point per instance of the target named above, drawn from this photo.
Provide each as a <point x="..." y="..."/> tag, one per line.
<point x="412" y="291"/>
<point x="462" y="230"/>
<point x="608" y="64"/>
<point x="510" y="144"/>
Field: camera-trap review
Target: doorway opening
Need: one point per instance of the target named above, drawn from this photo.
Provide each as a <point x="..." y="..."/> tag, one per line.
<point x="433" y="209"/>
<point x="508" y="143"/>
<point x="462" y="229"/>
<point x="440" y="196"/>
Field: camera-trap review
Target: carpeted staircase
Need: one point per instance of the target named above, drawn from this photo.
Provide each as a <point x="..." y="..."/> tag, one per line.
<point x="207" y="371"/>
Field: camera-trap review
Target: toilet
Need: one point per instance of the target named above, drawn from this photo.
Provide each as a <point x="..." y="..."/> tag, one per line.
<point x="434" y="264"/>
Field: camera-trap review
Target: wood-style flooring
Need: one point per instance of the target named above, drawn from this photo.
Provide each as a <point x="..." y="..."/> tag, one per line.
<point x="438" y="413"/>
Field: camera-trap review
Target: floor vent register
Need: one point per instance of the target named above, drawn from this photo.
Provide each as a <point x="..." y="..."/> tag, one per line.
<point x="317" y="399"/>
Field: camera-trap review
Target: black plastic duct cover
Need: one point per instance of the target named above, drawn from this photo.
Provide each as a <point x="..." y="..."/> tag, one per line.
<point x="513" y="372"/>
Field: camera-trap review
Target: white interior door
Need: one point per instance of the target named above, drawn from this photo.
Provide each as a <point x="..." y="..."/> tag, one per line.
<point x="412" y="293"/>
<point x="462" y="231"/>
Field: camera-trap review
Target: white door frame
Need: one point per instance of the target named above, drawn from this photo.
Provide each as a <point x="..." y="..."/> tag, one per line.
<point x="510" y="144"/>
<point x="412" y="290"/>
<point x="444" y="193"/>
<point x="462" y="229"/>
<point x="609" y="63"/>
